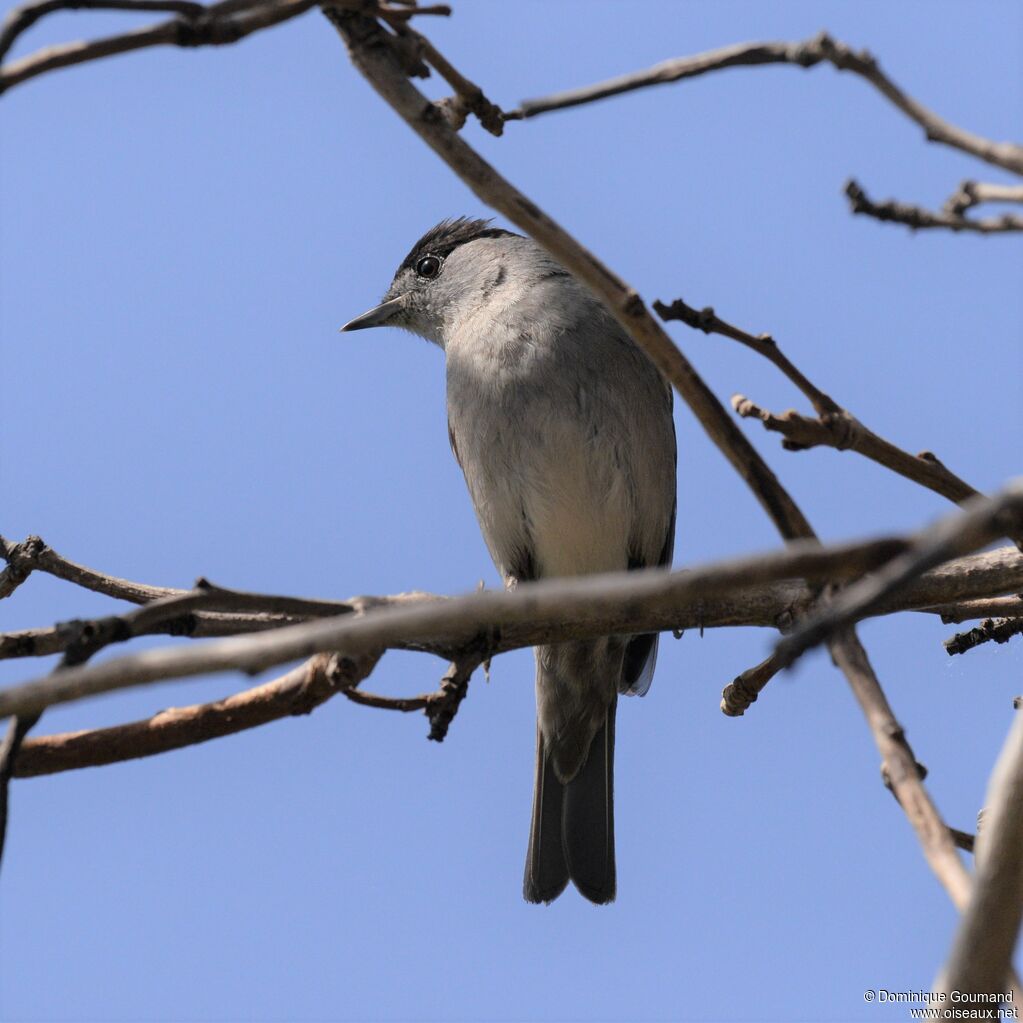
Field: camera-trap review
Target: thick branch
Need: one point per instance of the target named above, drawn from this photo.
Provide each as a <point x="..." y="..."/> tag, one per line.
<point x="982" y="952"/>
<point x="299" y="691"/>
<point x="765" y="605"/>
<point x="804" y="54"/>
<point x="971" y="610"/>
<point x="370" y="48"/>
<point x="547" y="611"/>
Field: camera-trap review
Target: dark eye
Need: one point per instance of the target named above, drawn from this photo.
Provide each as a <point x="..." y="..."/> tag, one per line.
<point x="428" y="266"/>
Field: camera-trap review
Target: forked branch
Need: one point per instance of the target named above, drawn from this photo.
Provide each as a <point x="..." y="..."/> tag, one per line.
<point x="821" y="48"/>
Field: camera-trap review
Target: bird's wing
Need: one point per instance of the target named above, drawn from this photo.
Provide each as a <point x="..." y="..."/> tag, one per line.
<point x="641" y="652"/>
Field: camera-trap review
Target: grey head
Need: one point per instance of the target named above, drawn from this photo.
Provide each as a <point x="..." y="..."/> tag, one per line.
<point x="446" y="273"/>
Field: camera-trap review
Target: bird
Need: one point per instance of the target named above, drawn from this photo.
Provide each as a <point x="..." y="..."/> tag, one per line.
<point x="564" y="432"/>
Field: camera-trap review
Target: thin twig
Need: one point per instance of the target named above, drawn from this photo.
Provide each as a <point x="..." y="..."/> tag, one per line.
<point x="237" y="612"/>
<point x="76" y="654"/>
<point x="983" y="521"/>
<point x="218" y="26"/>
<point x="997" y="630"/>
<point x="404" y="704"/>
<point x="411" y="10"/>
<point x="844" y="432"/>
<point x="468" y="98"/>
<point x="805" y="54"/>
<point x="19" y="19"/>
<point x="917" y="218"/>
<point x="54" y="639"/>
<point x="33" y="554"/>
<point x="835" y="426"/>
<point x="709" y="322"/>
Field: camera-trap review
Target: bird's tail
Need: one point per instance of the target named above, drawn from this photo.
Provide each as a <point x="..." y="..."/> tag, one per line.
<point x="572" y="836"/>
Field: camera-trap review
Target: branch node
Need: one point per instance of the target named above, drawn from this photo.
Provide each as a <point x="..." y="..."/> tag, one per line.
<point x="21" y="559"/>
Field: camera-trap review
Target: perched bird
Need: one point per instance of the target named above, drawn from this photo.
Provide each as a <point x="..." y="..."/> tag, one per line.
<point x="564" y="432"/>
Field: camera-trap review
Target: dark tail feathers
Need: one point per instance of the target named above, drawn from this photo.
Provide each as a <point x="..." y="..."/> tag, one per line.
<point x="572" y="835"/>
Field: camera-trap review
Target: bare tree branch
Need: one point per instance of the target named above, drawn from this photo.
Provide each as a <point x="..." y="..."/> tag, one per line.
<point x="709" y="322"/>
<point x="743" y="691"/>
<point x="983" y="521"/>
<point x="76" y="654"/>
<point x="844" y="432"/>
<point x="835" y="426"/>
<point x="19" y="19"/>
<point x="468" y="627"/>
<point x="32" y="554"/>
<point x="821" y="48"/>
<point x="216" y="25"/>
<point x="299" y="691"/>
<point x="535" y="613"/>
<point x="237" y="612"/>
<point x="54" y="639"/>
<point x="918" y="218"/>
<point x="468" y="97"/>
<point x="971" y="610"/>
<point x="17" y="729"/>
<point x="370" y="48"/>
<point x="998" y="630"/>
<point x="973" y="193"/>
<point x="901" y="770"/>
<point x="981" y="959"/>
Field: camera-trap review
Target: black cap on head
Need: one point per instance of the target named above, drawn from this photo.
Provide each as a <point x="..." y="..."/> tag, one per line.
<point x="443" y="239"/>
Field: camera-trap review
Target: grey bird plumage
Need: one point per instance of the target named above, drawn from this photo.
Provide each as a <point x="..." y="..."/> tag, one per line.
<point x="563" y="429"/>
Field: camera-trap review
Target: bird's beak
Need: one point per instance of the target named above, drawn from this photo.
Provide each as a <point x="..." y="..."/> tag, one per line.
<point x="377" y="316"/>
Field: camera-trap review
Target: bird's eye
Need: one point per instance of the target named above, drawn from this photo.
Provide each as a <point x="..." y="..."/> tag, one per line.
<point x="428" y="266"/>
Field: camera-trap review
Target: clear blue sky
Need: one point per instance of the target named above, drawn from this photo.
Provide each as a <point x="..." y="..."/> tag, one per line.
<point x="182" y="234"/>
